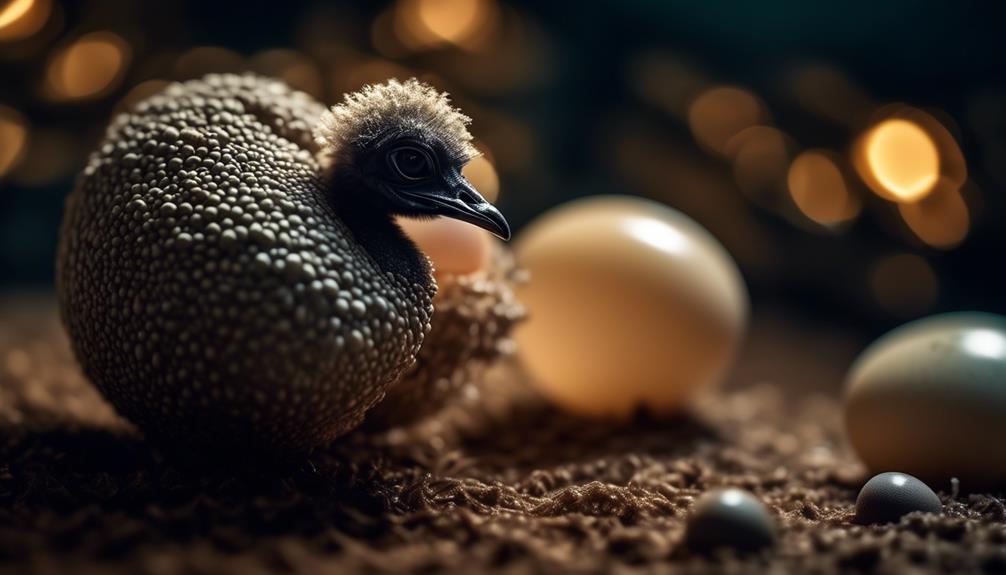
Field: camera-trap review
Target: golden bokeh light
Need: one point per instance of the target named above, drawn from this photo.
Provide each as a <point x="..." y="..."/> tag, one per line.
<point x="91" y="66"/>
<point x="510" y="54"/>
<point x="13" y="138"/>
<point x="425" y="24"/>
<point x="20" y="19"/>
<point x="910" y="157"/>
<point x="14" y="11"/>
<point x="482" y="174"/>
<point x="903" y="159"/>
<point x="934" y="126"/>
<point x="904" y="285"/>
<point x="819" y="189"/>
<point x="719" y="114"/>
<point x="451" y="20"/>
<point x="941" y="219"/>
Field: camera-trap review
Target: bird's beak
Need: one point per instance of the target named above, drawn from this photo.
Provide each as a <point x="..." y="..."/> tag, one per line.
<point x="458" y="199"/>
<point x="467" y="205"/>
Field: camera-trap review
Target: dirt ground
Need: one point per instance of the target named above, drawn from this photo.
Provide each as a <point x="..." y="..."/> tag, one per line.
<point x="497" y="483"/>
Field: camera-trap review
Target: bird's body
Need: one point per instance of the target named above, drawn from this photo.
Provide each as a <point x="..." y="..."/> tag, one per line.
<point x="219" y="288"/>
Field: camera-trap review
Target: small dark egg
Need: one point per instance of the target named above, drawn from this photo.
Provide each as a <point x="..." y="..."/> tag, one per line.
<point x="729" y="519"/>
<point x="888" y="496"/>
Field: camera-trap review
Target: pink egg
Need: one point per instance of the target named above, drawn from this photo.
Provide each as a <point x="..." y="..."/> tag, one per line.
<point x="454" y="247"/>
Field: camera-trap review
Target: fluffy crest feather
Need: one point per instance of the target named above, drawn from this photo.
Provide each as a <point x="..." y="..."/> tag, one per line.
<point x="367" y="114"/>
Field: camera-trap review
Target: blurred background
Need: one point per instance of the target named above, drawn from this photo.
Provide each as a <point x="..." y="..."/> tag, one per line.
<point x="850" y="155"/>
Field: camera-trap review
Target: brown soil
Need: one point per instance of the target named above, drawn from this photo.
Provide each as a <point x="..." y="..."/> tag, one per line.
<point x="497" y="483"/>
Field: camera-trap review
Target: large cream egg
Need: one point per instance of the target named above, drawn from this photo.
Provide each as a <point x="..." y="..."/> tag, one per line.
<point x="929" y="399"/>
<point x="630" y="305"/>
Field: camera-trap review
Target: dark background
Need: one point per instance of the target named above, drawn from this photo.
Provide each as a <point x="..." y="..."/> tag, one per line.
<point x="581" y="98"/>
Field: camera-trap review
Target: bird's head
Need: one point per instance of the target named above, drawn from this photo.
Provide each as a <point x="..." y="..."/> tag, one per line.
<point x="406" y="144"/>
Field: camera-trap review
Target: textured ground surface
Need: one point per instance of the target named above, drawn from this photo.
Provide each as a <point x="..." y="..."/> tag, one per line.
<point x="498" y="483"/>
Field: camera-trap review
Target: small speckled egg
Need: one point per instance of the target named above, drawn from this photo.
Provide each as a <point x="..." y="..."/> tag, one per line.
<point x="888" y="496"/>
<point x="454" y="247"/>
<point x="630" y="304"/>
<point x="729" y="519"/>
<point x="929" y="398"/>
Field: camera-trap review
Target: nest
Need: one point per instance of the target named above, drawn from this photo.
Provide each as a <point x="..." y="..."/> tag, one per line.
<point x="499" y="484"/>
<point x="473" y="316"/>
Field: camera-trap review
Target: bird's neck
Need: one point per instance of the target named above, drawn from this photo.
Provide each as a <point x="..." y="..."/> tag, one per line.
<point x="375" y="230"/>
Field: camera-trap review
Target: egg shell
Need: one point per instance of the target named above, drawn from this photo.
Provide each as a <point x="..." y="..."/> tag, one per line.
<point x="630" y="304"/>
<point x="729" y="518"/>
<point x="887" y="497"/>
<point x="454" y="247"/>
<point x="929" y="398"/>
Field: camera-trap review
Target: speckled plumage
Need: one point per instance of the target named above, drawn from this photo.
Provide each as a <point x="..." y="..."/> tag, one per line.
<point x="207" y="286"/>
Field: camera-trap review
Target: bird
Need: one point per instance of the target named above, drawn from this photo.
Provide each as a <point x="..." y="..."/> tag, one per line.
<point x="229" y="271"/>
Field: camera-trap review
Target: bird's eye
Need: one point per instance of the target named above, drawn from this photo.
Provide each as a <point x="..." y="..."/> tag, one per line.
<point x="411" y="163"/>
